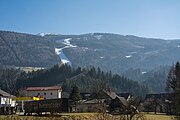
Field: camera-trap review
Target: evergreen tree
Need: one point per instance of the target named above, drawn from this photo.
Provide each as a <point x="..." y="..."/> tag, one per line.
<point x="75" y="94"/>
<point x="173" y="85"/>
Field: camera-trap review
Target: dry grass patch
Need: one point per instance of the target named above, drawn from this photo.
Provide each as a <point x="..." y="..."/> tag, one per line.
<point x="159" y="117"/>
<point x="89" y="116"/>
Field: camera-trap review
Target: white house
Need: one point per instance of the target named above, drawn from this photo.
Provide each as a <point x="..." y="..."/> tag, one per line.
<point x="51" y="92"/>
<point x="6" y="98"/>
<point x="7" y="105"/>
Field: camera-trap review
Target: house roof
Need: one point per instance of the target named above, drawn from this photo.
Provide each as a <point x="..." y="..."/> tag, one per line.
<point x="122" y="100"/>
<point x="125" y="95"/>
<point x="5" y="94"/>
<point x="43" y="88"/>
<point x="110" y="93"/>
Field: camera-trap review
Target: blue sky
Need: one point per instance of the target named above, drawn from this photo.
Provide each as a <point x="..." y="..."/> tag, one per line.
<point x="146" y="18"/>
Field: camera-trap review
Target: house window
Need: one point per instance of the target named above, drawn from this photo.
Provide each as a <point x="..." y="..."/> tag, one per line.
<point x="44" y="93"/>
<point x="38" y="94"/>
<point x="51" y="93"/>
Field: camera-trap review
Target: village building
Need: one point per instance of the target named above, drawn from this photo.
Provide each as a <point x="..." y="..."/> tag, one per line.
<point x="127" y="96"/>
<point x="7" y="105"/>
<point x="118" y="105"/>
<point x="108" y="95"/>
<point x="51" y="92"/>
<point x="93" y="105"/>
<point x="114" y="103"/>
<point x="85" y="95"/>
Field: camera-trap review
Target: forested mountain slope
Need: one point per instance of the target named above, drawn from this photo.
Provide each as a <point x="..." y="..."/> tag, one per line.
<point x="134" y="57"/>
<point x="26" y="50"/>
<point x="113" y="52"/>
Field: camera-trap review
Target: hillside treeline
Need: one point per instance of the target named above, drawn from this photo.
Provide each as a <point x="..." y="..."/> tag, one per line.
<point x="87" y="79"/>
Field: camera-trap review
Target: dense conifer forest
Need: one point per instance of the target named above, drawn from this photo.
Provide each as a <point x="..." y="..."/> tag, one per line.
<point x="87" y="79"/>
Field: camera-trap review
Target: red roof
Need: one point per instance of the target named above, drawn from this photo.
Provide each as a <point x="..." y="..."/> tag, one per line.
<point x="43" y="88"/>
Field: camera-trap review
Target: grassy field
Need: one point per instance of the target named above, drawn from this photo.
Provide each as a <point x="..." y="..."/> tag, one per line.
<point x="159" y="117"/>
<point x="88" y="116"/>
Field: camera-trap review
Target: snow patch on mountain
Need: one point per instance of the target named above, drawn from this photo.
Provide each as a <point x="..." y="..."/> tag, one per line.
<point x="64" y="59"/>
<point x="128" y="56"/>
<point x="67" y="42"/>
<point x="98" y="36"/>
<point x="43" y="34"/>
<point x="59" y="51"/>
<point x="144" y="72"/>
<point x="178" y="46"/>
